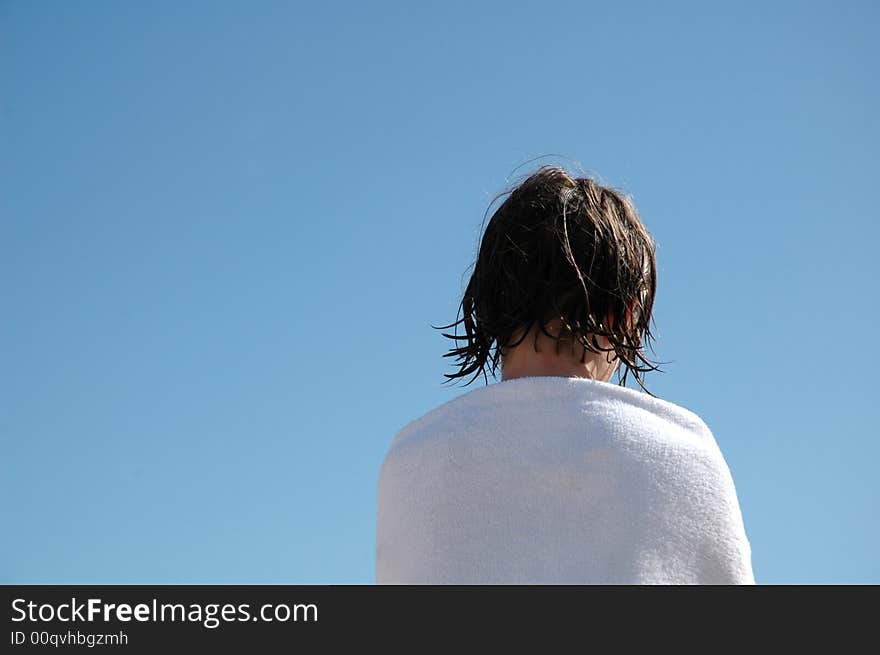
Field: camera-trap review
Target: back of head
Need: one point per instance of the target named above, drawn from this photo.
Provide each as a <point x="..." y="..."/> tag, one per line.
<point x="563" y="250"/>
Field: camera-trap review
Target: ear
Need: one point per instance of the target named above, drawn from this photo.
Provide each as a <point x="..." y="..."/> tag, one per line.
<point x="629" y="317"/>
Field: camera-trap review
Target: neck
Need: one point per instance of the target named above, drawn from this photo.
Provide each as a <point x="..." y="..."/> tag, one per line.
<point x="523" y="361"/>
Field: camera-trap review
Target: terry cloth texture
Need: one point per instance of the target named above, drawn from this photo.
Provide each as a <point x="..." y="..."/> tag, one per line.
<point x="555" y="480"/>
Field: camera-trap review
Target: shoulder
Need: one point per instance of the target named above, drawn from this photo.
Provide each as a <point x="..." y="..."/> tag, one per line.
<point x="455" y="413"/>
<point x="672" y="412"/>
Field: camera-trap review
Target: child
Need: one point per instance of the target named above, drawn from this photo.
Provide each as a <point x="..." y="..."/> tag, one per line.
<point x="554" y="475"/>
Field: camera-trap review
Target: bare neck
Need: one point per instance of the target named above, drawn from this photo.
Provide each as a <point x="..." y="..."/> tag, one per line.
<point x="522" y="360"/>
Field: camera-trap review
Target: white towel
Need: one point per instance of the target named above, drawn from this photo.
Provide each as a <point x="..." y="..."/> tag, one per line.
<point x="555" y="480"/>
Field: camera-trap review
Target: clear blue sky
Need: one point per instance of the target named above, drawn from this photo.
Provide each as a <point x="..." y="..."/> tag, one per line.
<point x="226" y="228"/>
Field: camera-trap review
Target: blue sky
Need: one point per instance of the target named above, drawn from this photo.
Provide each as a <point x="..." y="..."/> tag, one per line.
<point x="227" y="227"/>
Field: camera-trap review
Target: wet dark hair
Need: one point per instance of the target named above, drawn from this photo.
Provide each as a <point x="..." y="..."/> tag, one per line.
<point x="560" y="248"/>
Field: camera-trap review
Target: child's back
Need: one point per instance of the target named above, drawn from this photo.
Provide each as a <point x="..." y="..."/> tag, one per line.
<point x="558" y="480"/>
<point x="555" y="475"/>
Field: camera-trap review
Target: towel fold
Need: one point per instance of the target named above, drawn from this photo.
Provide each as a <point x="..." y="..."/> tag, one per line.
<point x="555" y="480"/>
